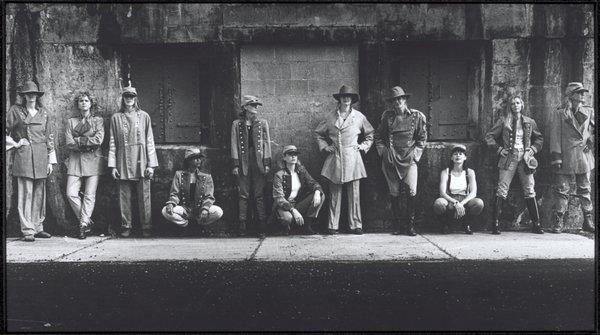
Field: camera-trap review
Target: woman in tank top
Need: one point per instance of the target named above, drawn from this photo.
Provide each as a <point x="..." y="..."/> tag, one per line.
<point x="458" y="193"/>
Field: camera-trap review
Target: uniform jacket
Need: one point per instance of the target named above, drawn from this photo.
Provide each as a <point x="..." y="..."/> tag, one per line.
<point x="85" y="158"/>
<point x="345" y="164"/>
<point x="400" y="142"/>
<point x="282" y="187"/>
<point x="568" y="139"/>
<point x="501" y="137"/>
<point x="31" y="161"/>
<point x="180" y="191"/>
<point x="131" y="147"/>
<point x="239" y="144"/>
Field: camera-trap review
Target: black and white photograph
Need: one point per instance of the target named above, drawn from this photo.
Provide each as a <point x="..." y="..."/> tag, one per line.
<point x="300" y="167"/>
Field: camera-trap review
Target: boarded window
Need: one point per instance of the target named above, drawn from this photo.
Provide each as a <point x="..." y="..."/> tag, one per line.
<point x="438" y="76"/>
<point x="174" y="87"/>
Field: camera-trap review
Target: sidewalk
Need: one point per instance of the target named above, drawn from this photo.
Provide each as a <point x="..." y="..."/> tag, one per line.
<point x="368" y="247"/>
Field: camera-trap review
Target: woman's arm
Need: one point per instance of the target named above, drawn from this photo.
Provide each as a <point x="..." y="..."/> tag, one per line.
<point x="443" y="190"/>
<point x="472" y="188"/>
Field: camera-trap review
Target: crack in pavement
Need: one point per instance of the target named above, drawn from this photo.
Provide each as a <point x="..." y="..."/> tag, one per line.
<point x="253" y="256"/>
<point x="440" y="248"/>
<point x="78" y="250"/>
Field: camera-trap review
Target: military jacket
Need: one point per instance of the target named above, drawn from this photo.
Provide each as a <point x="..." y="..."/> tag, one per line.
<point x="502" y="137"/>
<point x="569" y="139"/>
<point x="180" y="191"/>
<point x="239" y="144"/>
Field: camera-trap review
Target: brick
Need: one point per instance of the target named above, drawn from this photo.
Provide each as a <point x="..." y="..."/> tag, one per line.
<point x="299" y="70"/>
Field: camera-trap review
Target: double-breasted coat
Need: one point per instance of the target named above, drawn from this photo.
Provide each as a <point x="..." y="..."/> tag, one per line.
<point x="131" y="144"/>
<point x="31" y="161"/>
<point x="84" y="140"/>
<point x="569" y="138"/>
<point x="239" y="144"/>
<point x="181" y="194"/>
<point x="502" y="136"/>
<point x="400" y="140"/>
<point x="345" y="164"/>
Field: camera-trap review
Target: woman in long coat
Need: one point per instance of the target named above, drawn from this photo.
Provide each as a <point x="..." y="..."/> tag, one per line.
<point x="83" y="135"/>
<point x="28" y="131"/>
<point x="338" y="135"/>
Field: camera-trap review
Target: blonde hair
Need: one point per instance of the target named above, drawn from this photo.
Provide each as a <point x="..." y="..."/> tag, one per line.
<point x="508" y="118"/>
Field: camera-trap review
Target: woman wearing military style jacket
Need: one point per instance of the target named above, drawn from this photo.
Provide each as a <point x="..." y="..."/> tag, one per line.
<point x="29" y="133"/>
<point x="83" y="136"/>
<point x="516" y="139"/>
<point x="191" y="195"/>
<point x="297" y="197"/>
<point x="400" y="140"/>
<point x="338" y="135"/>
<point x="251" y="155"/>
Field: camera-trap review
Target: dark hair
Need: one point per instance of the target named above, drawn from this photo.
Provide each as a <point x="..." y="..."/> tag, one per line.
<point x="450" y="164"/>
<point x="93" y="102"/>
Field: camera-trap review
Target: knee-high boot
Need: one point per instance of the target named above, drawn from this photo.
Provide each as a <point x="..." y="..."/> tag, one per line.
<point x="410" y="209"/>
<point x="496" y="215"/>
<point x="395" y="204"/>
<point x="535" y="215"/>
<point x="243" y="212"/>
<point x="262" y="217"/>
<point x="588" y="222"/>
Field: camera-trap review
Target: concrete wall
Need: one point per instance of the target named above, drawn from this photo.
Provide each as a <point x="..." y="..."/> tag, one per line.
<point x="531" y="48"/>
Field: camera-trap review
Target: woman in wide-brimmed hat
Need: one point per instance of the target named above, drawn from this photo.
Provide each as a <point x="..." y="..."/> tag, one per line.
<point x="29" y="134"/>
<point x="515" y="138"/>
<point x="83" y="136"/>
<point x="337" y="135"/>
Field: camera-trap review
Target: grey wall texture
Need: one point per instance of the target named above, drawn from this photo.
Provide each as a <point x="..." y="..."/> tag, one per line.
<point x="294" y="56"/>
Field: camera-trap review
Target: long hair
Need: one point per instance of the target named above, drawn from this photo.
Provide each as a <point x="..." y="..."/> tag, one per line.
<point x="450" y="164"/>
<point x="281" y="164"/>
<point x="38" y="101"/>
<point x="93" y="102"/>
<point x="124" y="107"/>
<point x="508" y="118"/>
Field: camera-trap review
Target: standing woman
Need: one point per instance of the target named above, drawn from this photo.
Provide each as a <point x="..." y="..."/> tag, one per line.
<point x="516" y="139"/>
<point x="338" y="135"/>
<point x="29" y="132"/>
<point x="458" y="192"/>
<point x="84" y="135"/>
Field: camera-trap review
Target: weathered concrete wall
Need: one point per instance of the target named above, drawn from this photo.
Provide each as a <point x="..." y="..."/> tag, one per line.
<point x="534" y="49"/>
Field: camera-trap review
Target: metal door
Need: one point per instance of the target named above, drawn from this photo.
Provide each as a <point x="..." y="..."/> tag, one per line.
<point x="448" y="99"/>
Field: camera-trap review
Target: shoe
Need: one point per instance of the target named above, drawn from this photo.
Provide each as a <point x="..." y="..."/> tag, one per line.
<point x="588" y="223"/>
<point x="332" y="232"/>
<point x="468" y="230"/>
<point x="29" y="238"/>
<point x="125" y="232"/>
<point x="42" y="234"/>
<point x="357" y="231"/>
<point x="146" y="233"/>
<point x="534" y="213"/>
<point x="308" y="223"/>
<point x="111" y="231"/>
<point x="261" y="235"/>
<point x="496" y="215"/>
<point x="82" y="231"/>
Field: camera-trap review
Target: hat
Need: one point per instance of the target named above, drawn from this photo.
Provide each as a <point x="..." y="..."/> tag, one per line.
<point x="290" y="148"/>
<point x="345" y="90"/>
<point x="192" y="153"/>
<point x="250" y="100"/>
<point x="531" y="163"/>
<point x="396" y="92"/>
<point x="129" y="90"/>
<point x="458" y="147"/>
<point x="574" y="87"/>
<point x="30" y="87"/>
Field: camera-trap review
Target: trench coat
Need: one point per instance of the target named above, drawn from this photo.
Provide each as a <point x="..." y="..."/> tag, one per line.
<point x="501" y="137"/>
<point x="282" y="187"/>
<point x="345" y="164"/>
<point x="31" y="161"/>
<point x="400" y="142"/>
<point x="568" y="140"/>
<point x="85" y="158"/>
<point x="203" y="196"/>
<point x="131" y="148"/>
<point x="239" y="144"/>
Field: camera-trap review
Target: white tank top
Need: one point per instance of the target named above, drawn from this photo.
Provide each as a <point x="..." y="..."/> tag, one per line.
<point x="458" y="185"/>
<point x="295" y="186"/>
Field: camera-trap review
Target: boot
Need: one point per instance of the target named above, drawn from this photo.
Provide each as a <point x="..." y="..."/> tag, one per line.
<point x="496" y="215"/>
<point x="588" y="222"/>
<point x="410" y="209"/>
<point x="443" y="222"/>
<point x="558" y="223"/>
<point x="82" y="231"/>
<point x="242" y="228"/>
<point x="261" y="216"/>
<point x="243" y="211"/>
<point x="534" y="213"/>
<point x="395" y="204"/>
<point x="308" y="224"/>
<point x="466" y="223"/>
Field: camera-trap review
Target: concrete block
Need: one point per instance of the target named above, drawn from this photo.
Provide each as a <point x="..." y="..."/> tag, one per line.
<point x="445" y="22"/>
<point x="57" y="29"/>
<point x="555" y="15"/>
<point x="348" y="248"/>
<point x="300" y="70"/>
<point x="553" y="63"/>
<point x="507" y="20"/>
<point x="508" y="51"/>
<point x="46" y="250"/>
<point x="205" y="249"/>
<point x="253" y="53"/>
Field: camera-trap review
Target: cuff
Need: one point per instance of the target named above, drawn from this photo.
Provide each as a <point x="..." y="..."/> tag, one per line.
<point x="52" y="157"/>
<point x="499" y="150"/>
<point x="236" y="162"/>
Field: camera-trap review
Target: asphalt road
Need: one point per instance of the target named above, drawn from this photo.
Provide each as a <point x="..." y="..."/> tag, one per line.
<point x="199" y="296"/>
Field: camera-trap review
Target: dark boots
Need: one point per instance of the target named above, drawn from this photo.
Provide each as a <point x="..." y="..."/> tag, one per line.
<point x="242" y="228"/>
<point x="466" y="223"/>
<point x="262" y="217"/>
<point x="82" y="230"/>
<point x="557" y="225"/>
<point x="443" y="222"/>
<point x="588" y="222"/>
<point x="395" y="202"/>
<point x="410" y="209"/>
<point x="496" y="215"/>
<point x="309" y="223"/>
<point x="534" y="214"/>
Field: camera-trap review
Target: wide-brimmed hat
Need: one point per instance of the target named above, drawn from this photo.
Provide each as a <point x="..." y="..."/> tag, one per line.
<point x="574" y="87"/>
<point x="345" y="90"/>
<point x="192" y="153"/>
<point x="289" y="149"/>
<point x="396" y="92"/>
<point x="129" y="90"/>
<point x="250" y="100"/>
<point x="30" y="87"/>
<point x="458" y="147"/>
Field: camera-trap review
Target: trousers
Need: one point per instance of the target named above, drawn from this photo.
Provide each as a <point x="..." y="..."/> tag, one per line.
<point x="253" y="182"/>
<point x="31" y="204"/>
<point x="142" y="188"/>
<point x="181" y="214"/>
<point x="335" y="206"/>
<point x="82" y="209"/>
<point x="305" y="207"/>
<point x="505" y="177"/>
<point x="473" y="207"/>
<point x="562" y="187"/>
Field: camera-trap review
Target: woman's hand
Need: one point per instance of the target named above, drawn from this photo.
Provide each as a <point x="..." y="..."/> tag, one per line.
<point x="115" y="174"/>
<point x="267" y="169"/>
<point x="317" y="199"/>
<point x="503" y="152"/>
<point x="149" y="173"/>
<point x="236" y="171"/>
<point x="528" y="154"/>
<point x="297" y="217"/>
<point x="169" y="209"/>
<point x="203" y="215"/>
<point x="329" y="149"/>
<point x="459" y="210"/>
<point x="49" y="168"/>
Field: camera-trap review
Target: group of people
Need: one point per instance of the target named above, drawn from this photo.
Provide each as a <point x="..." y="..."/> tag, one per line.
<point x="399" y="139"/>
